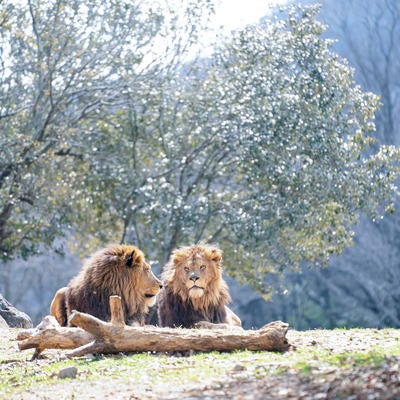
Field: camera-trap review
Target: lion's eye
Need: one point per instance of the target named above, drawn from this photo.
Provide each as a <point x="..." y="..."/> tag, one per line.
<point x="187" y="269"/>
<point x="202" y="267"/>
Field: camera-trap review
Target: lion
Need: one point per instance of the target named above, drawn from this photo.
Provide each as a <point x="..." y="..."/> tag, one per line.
<point x="115" y="270"/>
<point x="194" y="293"/>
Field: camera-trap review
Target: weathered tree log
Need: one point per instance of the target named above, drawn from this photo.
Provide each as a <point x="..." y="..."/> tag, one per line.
<point x="50" y="335"/>
<point x="96" y="336"/>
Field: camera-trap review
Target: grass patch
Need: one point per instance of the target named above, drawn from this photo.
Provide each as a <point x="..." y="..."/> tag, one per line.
<point x="355" y="360"/>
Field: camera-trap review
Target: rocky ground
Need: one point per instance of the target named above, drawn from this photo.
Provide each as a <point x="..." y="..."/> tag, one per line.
<point x="380" y="380"/>
<point x="338" y="364"/>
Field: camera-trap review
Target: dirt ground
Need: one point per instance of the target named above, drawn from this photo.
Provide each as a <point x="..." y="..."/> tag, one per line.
<point x="380" y="382"/>
<point x="369" y="380"/>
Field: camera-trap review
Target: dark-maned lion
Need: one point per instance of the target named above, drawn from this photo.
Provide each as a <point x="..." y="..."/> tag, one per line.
<point x="194" y="292"/>
<point x="115" y="270"/>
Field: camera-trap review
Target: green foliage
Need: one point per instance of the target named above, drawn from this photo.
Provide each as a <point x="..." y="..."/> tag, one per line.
<point x="299" y="129"/>
<point x="66" y="67"/>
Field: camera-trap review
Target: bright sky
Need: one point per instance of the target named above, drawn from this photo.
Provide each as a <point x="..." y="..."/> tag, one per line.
<point x="233" y="14"/>
<point x="236" y="13"/>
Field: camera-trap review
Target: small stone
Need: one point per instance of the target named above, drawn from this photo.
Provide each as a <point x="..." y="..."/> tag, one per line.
<point x="69" y="372"/>
<point x="238" y="368"/>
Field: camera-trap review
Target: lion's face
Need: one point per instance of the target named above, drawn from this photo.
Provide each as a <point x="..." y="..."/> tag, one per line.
<point x="145" y="282"/>
<point x="148" y="283"/>
<point x="197" y="271"/>
<point x="122" y="270"/>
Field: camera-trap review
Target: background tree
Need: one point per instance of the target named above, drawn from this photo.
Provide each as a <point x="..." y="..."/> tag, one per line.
<point x="360" y="287"/>
<point x="371" y="49"/>
<point x="64" y="65"/>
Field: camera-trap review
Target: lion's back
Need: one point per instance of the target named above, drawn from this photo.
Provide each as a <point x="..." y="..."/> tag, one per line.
<point x="85" y="296"/>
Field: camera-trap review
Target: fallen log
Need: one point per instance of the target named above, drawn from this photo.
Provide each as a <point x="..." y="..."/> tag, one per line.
<point x="50" y="335"/>
<point x="96" y="336"/>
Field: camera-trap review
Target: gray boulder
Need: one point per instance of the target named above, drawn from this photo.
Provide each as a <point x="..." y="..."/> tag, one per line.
<point x="13" y="317"/>
<point x="3" y="323"/>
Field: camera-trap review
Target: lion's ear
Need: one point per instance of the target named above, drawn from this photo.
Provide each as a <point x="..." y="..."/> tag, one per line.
<point x="133" y="259"/>
<point x="176" y="259"/>
<point x="178" y="256"/>
<point x="216" y="256"/>
<point x="129" y="260"/>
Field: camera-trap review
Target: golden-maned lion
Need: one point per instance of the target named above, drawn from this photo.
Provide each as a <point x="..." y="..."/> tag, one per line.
<point x="194" y="292"/>
<point x="115" y="270"/>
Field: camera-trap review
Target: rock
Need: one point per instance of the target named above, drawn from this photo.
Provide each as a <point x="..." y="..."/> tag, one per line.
<point x="3" y="323"/>
<point x="69" y="372"/>
<point x="13" y="317"/>
<point x="239" y="368"/>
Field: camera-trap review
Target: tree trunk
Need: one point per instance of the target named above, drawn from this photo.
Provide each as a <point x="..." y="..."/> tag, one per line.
<point x="96" y="336"/>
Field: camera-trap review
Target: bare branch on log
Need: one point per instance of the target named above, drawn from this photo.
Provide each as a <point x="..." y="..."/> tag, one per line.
<point x="117" y="313"/>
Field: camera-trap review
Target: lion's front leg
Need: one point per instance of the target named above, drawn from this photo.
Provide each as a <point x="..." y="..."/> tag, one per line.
<point x="232" y="318"/>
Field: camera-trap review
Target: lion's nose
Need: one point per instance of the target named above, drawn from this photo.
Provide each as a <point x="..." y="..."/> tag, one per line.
<point x="193" y="277"/>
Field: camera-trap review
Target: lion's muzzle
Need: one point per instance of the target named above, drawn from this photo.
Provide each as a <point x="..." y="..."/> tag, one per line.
<point x="196" y="291"/>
